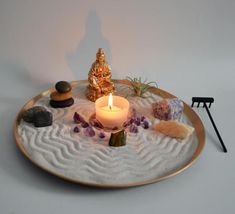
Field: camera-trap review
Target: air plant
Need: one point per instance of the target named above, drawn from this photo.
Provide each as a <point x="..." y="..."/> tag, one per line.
<point x="140" y="87"/>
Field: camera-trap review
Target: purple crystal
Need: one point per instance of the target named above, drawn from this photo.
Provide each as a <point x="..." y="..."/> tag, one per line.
<point x="78" y="118"/>
<point x="115" y="128"/>
<point x="76" y="129"/>
<point x="142" y="118"/>
<point x="89" y="132"/>
<point x="133" y="129"/>
<point x="137" y="121"/>
<point x="128" y="122"/>
<point x="125" y="124"/>
<point x="96" y="123"/>
<point x="145" y="124"/>
<point x="132" y="120"/>
<point x="84" y="124"/>
<point x="101" y="135"/>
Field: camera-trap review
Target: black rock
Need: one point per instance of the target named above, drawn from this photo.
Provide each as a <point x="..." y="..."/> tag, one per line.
<point x="63" y="87"/>
<point x="43" y="118"/>
<point x="62" y="104"/>
<point x="28" y="115"/>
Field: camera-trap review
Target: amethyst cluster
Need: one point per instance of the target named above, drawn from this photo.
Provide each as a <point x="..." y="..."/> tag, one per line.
<point x="168" y="109"/>
<point x="88" y="128"/>
<point x="133" y="123"/>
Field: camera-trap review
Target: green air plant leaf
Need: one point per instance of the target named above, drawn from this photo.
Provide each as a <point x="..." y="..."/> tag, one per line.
<point x="140" y="87"/>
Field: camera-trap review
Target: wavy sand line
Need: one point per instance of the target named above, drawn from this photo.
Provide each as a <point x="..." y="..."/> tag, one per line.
<point x="147" y="154"/>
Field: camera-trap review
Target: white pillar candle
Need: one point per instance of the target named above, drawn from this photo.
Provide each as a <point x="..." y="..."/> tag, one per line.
<point x="111" y="111"/>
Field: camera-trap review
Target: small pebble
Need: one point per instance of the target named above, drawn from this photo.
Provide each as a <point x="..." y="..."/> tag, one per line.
<point x="63" y="87"/>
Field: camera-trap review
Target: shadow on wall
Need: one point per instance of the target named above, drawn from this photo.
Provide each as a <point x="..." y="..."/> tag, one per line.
<point x="81" y="60"/>
<point x="18" y="81"/>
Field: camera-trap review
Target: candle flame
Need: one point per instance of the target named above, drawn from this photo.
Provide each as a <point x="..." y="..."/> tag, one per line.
<point x="110" y="101"/>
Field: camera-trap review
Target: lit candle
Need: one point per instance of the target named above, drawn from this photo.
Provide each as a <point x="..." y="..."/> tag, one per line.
<point x="111" y="110"/>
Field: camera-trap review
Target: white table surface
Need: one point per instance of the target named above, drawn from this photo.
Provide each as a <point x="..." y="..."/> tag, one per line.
<point x="186" y="46"/>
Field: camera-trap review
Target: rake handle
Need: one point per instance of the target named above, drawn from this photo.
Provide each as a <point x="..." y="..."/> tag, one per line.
<point x="216" y="130"/>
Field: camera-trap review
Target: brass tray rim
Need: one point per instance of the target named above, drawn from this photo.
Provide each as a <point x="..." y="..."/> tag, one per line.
<point x="188" y="111"/>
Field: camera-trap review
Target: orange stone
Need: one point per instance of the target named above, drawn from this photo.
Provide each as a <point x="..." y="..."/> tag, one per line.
<point x="56" y="96"/>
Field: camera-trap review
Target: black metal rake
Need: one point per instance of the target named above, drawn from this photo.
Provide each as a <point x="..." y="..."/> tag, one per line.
<point x="209" y="100"/>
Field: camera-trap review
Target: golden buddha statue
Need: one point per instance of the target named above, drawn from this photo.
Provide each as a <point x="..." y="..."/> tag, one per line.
<point x="99" y="78"/>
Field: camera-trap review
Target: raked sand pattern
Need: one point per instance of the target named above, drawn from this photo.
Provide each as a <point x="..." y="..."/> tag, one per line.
<point x="147" y="155"/>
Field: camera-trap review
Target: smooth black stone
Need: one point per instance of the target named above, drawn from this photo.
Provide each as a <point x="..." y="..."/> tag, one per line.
<point x="28" y="115"/>
<point x="63" y="87"/>
<point x="62" y="104"/>
<point x="43" y="118"/>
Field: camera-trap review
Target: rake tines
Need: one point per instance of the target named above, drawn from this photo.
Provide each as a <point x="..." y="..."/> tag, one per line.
<point x="209" y="100"/>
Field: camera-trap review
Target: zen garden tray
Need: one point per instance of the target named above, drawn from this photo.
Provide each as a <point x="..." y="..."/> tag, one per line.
<point x="147" y="157"/>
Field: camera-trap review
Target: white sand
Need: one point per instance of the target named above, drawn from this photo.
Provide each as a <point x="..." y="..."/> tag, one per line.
<point x="147" y="155"/>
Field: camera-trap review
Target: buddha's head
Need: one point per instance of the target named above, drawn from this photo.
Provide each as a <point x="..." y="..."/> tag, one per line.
<point x="100" y="56"/>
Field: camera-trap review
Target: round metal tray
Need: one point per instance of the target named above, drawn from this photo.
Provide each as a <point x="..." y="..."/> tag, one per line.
<point x="188" y="112"/>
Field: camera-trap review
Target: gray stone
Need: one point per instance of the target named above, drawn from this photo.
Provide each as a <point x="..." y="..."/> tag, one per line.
<point x="28" y="115"/>
<point x="63" y="87"/>
<point x="43" y="118"/>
